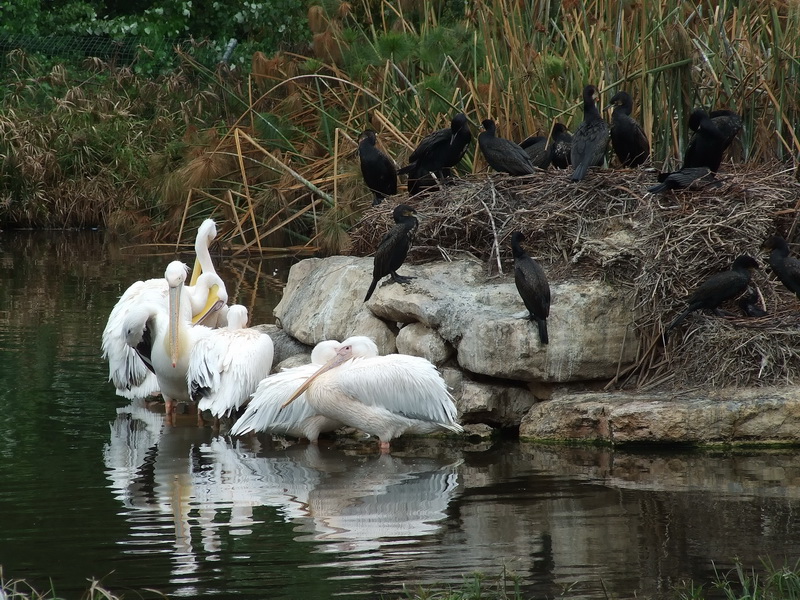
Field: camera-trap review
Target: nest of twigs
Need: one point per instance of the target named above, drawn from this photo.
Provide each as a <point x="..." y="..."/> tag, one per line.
<point x="661" y="247"/>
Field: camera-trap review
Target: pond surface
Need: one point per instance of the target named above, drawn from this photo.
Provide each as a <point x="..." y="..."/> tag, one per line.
<point x="94" y="486"/>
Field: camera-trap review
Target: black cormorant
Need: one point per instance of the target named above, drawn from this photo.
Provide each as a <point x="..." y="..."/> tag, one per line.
<point x="718" y="288"/>
<point x="418" y="183"/>
<point x="437" y="153"/>
<point x="712" y="136"/>
<point x="536" y="148"/>
<point x="591" y="138"/>
<point x="560" y="146"/>
<point x="728" y="122"/>
<point x="627" y="136"/>
<point x="503" y="155"/>
<point x="678" y="180"/>
<point x="750" y="304"/>
<point x="378" y="170"/>
<point x="532" y="286"/>
<point x="393" y="247"/>
<point x="785" y="267"/>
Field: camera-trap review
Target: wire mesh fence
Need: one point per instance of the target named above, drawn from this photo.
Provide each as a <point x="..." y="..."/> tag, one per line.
<point x="128" y="51"/>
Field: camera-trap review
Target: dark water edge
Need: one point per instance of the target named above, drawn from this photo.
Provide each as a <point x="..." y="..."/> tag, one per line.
<point x="93" y="486"/>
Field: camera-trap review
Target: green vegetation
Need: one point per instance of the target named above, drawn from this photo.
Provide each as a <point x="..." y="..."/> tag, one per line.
<point x="777" y="583"/>
<point x="270" y="144"/>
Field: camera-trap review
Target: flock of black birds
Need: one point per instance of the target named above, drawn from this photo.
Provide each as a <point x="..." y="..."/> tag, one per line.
<point x="434" y="159"/>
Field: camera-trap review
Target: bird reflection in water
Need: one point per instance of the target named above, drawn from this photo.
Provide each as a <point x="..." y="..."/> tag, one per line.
<point x="208" y="487"/>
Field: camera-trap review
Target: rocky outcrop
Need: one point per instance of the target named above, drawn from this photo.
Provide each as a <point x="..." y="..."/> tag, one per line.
<point x="283" y="344"/>
<point x="453" y="310"/>
<point x="324" y="299"/>
<point x="731" y="416"/>
<point x="470" y="327"/>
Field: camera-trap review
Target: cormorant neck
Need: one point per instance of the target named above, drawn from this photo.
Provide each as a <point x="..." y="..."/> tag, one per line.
<point x="516" y="249"/>
<point x="781" y="250"/>
<point x="590" y="111"/>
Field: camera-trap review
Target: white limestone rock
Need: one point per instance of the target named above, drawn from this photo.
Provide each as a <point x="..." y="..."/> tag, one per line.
<point x="417" y="339"/>
<point x="590" y="324"/>
<point x="500" y="405"/>
<point x="324" y="299"/>
<point x="730" y="416"/>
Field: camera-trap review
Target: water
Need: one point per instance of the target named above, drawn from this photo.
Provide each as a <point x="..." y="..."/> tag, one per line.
<point x="93" y="486"/>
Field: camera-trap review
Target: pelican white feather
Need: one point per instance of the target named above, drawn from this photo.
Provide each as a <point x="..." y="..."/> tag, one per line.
<point x="385" y="396"/>
<point x="164" y="338"/>
<point x="264" y="413"/>
<point x="130" y="376"/>
<point x="203" y="264"/>
<point x="226" y="366"/>
<point x="202" y="244"/>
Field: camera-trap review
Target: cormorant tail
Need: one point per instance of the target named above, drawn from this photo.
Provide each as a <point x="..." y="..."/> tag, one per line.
<point x="661" y="187"/>
<point x="371" y="289"/>
<point x="407" y="169"/>
<point x="542" y="323"/>
<point x="580" y="170"/>
<point x="677" y="320"/>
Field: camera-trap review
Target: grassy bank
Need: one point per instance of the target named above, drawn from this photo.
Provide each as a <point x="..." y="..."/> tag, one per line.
<point x="775" y="583"/>
<point x="272" y="148"/>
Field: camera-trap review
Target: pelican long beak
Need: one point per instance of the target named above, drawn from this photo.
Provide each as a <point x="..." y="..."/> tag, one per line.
<point x="197" y="270"/>
<point x="213" y="304"/>
<point x="174" y="322"/>
<point x="342" y="356"/>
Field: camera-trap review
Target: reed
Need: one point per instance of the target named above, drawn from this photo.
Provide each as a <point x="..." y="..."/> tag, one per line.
<point x="102" y="148"/>
<point x="405" y="69"/>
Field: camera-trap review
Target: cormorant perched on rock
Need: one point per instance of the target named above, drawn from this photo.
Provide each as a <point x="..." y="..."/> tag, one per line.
<point x="718" y="288"/>
<point x="532" y="286"/>
<point x="503" y="155"/>
<point x="437" y="153"/>
<point x="393" y="247"/>
<point x="536" y="148"/>
<point x="591" y="138"/>
<point x="785" y="267"/>
<point x="712" y="136"/>
<point x="627" y="136"/>
<point x="378" y="170"/>
<point x="560" y="146"/>
<point x="678" y="180"/>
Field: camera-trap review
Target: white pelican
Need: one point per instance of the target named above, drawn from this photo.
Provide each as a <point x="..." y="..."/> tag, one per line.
<point x="130" y="376"/>
<point x="203" y="264"/>
<point x="385" y="396"/>
<point x="226" y="365"/>
<point x="264" y="413"/>
<point x="163" y="338"/>
<point x="202" y="241"/>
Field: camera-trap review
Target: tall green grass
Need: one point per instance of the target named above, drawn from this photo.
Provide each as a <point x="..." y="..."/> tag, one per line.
<point x="774" y="583"/>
